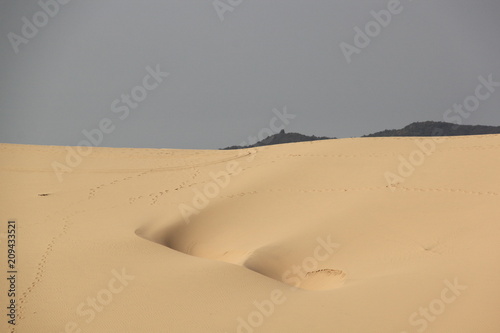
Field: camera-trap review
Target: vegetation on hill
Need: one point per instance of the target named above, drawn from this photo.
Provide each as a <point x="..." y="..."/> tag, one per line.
<point x="282" y="137"/>
<point x="437" y="128"/>
<point x="425" y="128"/>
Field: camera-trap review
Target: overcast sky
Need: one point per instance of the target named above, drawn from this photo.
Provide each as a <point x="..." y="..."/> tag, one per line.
<point x="230" y="65"/>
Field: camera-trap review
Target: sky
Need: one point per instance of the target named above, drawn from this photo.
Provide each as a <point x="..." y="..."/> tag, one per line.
<point x="205" y="74"/>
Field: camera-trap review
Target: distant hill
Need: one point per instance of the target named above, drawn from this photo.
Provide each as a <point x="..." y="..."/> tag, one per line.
<point x="425" y="128"/>
<point x="280" y="138"/>
<point x="437" y="128"/>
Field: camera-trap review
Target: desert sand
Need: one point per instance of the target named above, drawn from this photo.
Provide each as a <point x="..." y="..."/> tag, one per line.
<point x="305" y="237"/>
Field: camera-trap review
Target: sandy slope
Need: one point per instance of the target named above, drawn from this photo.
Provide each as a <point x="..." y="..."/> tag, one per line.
<point x="127" y="242"/>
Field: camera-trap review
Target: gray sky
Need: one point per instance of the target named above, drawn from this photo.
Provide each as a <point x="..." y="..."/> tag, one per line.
<point x="226" y="77"/>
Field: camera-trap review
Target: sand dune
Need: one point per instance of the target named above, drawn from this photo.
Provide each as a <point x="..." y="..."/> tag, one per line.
<point x="352" y="235"/>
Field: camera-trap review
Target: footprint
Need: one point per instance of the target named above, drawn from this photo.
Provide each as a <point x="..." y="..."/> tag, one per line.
<point x="323" y="279"/>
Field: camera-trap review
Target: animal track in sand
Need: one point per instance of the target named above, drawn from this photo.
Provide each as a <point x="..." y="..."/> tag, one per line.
<point x="323" y="279"/>
<point x="335" y="155"/>
<point x="66" y="220"/>
<point x="355" y="189"/>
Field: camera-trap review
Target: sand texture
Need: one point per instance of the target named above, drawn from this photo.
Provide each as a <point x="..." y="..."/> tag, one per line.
<point x="306" y="237"/>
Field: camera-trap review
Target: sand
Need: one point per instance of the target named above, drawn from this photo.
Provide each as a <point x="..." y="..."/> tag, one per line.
<point x="305" y="237"/>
